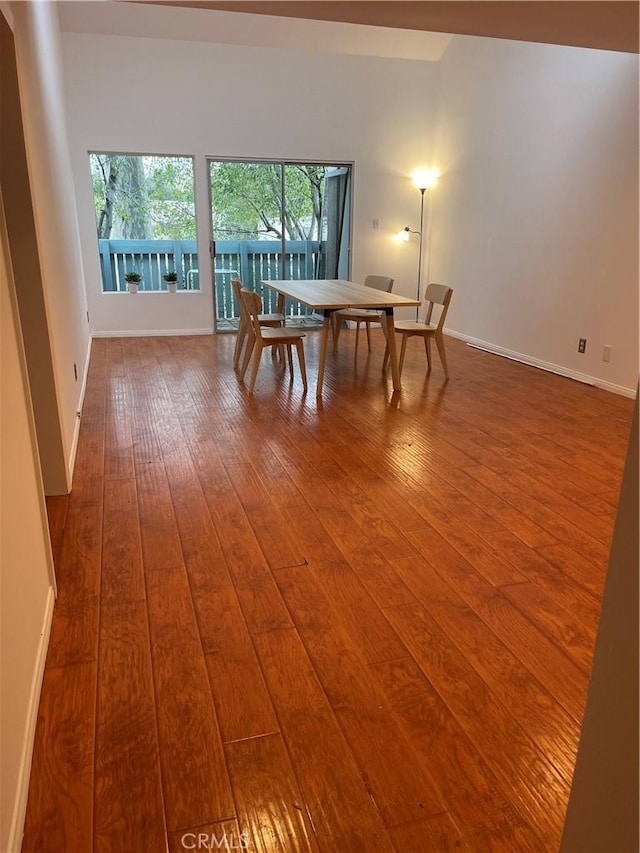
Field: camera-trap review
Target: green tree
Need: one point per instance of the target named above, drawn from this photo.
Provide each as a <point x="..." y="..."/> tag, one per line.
<point x="247" y="202"/>
<point x="139" y="198"/>
<point x="171" y="198"/>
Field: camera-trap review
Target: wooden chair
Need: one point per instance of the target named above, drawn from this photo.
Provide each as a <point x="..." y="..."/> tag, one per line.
<point x="361" y="315"/>
<point x="261" y="337"/>
<point x="244" y="324"/>
<point x="436" y="294"/>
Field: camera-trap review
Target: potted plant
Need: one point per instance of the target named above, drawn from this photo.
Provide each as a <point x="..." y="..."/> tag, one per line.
<point x="171" y="278"/>
<point x="132" y="279"/>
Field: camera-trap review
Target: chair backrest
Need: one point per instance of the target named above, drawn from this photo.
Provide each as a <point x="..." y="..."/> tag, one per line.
<point x="252" y="304"/>
<point x="437" y="294"/>
<point x="380" y="282"/>
<point x="237" y="286"/>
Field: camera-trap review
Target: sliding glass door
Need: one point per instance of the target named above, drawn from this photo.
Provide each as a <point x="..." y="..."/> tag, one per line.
<point x="273" y="220"/>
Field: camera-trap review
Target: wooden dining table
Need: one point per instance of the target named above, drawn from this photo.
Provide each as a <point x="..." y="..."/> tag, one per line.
<point x="329" y="295"/>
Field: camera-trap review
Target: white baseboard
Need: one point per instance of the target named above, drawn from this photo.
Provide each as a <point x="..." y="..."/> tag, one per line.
<point x="153" y="333"/>
<point x="616" y="389"/>
<point x="24" y="774"/>
<point x="544" y="365"/>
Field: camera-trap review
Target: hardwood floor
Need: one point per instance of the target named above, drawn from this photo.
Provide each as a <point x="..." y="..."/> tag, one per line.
<point x="360" y="624"/>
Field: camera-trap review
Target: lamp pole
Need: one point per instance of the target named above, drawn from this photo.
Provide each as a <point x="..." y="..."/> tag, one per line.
<point x="423" y="180"/>
<point x="419" y="290"/>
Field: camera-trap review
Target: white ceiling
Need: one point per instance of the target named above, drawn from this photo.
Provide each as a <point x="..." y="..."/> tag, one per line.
<point x="600" y="24"/>
<point x="202" y="25"/>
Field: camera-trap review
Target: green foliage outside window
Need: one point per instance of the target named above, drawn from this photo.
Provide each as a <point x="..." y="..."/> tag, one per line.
<point x="152" y="198"/>
<point x="247" y="201"/>
<point x="143" y="198"/>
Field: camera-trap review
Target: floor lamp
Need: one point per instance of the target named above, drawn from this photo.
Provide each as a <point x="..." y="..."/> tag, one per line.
<point x="423" y="181"/>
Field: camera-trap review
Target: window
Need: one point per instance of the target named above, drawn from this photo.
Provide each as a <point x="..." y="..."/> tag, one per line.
<point x="145" y="220"/>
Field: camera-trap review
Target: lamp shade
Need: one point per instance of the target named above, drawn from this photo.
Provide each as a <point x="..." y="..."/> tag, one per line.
<point x="425" y="178"/>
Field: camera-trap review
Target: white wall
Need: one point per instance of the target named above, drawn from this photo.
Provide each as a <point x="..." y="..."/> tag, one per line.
<point x="159" y="96"/>
<point x="535" y="220"/>
<point x="25" y="565"/>
<point x="25" y="260"/>
<point x="38" y="59"/>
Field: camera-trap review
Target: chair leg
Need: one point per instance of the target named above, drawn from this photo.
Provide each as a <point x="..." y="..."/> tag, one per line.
<point x="290" y="361"/>
<point x="357" y="336"/>
<point x="443" y="355"/>
<point x="403" y="351"/>
<point x="245" y="340"/>
<point x="368" y="325"/>
<point x="301" y="362"/>
<point x="238" y="347"/>
<point x="254" y="369"/>
<point x="247" y="356"/>
<point x="427" y="349"/>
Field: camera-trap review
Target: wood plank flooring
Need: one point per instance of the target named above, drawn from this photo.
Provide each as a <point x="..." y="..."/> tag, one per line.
<point x="359" y="624"/>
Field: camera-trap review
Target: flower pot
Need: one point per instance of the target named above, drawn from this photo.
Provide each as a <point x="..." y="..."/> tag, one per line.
<point x="171" y="286"/>
<point x="133" y="286"/>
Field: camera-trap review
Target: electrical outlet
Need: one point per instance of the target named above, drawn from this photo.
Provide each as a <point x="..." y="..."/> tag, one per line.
<point x="606" y="353"/>
<point x="376" y="224"/>
<point x="582" y="344"/>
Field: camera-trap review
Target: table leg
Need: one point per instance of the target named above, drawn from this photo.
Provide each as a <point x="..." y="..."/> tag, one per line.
<point x="324" y="341"/>
<point x="391" y="344"/>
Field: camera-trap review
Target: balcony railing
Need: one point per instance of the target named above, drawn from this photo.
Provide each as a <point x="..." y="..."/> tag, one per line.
<point x="249" y="260"/>
<point x="152" y="259"/>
